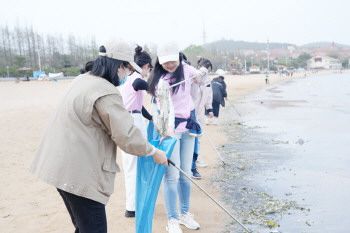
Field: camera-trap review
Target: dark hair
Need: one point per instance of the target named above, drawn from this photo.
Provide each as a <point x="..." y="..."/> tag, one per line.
<point x="87" y="68"/>
<point x="219" y="78"/>
<point x="184" y="58"/>
<point x="141" y="58"/>
<point x="204" y="62"/>
<point x="107" y="68"/>
<point x="102" y="49"/>
<point x="158" y="72"/>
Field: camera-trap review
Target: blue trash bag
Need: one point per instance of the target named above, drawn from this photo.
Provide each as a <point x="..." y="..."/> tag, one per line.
<point x="149" y="177"/>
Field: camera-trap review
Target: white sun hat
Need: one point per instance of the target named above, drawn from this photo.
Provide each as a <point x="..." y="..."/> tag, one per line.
<point x="122" y="51"/>
<point x="168" y="52"/>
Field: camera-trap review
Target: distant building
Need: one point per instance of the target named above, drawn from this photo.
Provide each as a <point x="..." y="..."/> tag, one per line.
<point x="254" y="69"/>
<point x="324" y="62"/>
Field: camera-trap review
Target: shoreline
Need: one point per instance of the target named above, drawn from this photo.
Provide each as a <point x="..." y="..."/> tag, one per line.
<point x="247" y="154"/>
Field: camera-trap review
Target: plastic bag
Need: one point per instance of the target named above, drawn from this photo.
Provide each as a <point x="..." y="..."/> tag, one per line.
<point x="149" y="177"/>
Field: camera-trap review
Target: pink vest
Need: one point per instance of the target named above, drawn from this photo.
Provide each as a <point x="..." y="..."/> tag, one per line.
<point x="182" y="100"/>
<point x="133" y="100"/>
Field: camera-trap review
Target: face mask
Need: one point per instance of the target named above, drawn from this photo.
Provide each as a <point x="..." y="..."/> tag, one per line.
<point x="123" y="76"/>
<point x="122" y="80"/>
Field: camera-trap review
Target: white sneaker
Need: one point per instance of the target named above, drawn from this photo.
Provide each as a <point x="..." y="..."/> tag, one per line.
<point x="201" y="163"/>
<point x="189" y="222"/>
<point x="173" y="226"/>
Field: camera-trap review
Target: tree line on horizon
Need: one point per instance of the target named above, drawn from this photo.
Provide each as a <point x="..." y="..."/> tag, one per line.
<point x="21" y="48"/>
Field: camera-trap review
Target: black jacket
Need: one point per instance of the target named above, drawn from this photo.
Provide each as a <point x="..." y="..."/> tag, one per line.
<point x="219" y="91"/>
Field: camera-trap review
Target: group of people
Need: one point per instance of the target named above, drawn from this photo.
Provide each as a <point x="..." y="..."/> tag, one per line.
<point x="104" y="109"/>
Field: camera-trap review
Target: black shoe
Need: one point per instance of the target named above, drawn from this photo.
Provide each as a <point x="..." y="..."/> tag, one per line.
<point x="129" y="214"/>
<point x="195" y="174"/>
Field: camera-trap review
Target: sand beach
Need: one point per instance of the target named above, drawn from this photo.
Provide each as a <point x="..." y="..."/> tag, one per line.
<point x="29" y="205"/>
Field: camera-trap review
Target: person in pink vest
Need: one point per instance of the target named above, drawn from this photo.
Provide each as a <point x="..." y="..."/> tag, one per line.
<point x="133" y="91"/>
<point x="171" y="68"/>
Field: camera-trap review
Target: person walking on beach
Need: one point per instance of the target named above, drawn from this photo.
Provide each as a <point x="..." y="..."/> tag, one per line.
<point x="171" y="68"/>
<point x="202" y="96"/>
<point x="132" y="92"/>
<point x="77" y="154"/>
<point x="219" y="95"/>
<point x="267" y="81"/>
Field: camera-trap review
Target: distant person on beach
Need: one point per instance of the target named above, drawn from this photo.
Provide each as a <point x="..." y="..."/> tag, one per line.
<point x="132" y="92"/>
<point x="219" y="95"/>
<point x="267" y="81"/>
<point x="77" y="154"/>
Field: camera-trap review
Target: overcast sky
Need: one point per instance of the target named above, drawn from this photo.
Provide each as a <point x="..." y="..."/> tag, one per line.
<point x="159" y="21"/>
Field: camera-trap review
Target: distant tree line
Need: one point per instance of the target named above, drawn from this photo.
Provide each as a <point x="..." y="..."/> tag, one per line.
<point x="235" y="55"/>
<point x="236" y="60"/>
<point x="23" y="47"/>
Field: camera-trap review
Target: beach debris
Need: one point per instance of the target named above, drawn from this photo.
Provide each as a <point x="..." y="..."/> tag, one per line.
<point x="277" y="141"/>
<point x="260" y="208"/>
<point x="308" y="223"/>
<point x="304" y="209"/>
<point x="300" y="141"/>
<point x="6" y="216"/>
<point x="271" y="224"/>
<point x="255" y="205"/>
<point x="163" y="111"/>
<point x="210" y="196"/>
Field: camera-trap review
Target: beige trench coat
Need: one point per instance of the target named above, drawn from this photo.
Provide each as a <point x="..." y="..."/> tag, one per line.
<point x="78" y="151"/>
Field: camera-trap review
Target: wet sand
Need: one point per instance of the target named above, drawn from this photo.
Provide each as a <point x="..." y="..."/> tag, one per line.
<point x="29" y="205"/>
<point x="288" y="157"/>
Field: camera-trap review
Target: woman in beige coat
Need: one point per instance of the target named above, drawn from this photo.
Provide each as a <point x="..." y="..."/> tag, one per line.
<point x="77" y="155"/>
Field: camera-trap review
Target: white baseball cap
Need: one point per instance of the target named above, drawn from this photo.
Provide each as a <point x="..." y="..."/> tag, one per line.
<point x="122" y="51"/>
<point x="168" y="52"/>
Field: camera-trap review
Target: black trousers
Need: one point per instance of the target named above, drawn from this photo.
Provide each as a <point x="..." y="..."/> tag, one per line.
<point x="88" y="216"/>
<point x="216" y="108"/>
